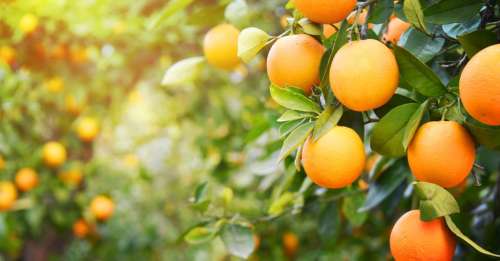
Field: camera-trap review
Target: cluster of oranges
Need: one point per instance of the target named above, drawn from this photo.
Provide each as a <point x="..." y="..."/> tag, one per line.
<point x="363" y="76"/>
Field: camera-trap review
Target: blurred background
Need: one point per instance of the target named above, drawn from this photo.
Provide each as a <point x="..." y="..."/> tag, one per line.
<point x="100" y="161"/>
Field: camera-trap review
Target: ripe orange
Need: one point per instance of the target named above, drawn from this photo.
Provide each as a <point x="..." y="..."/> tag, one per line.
<point x="102" y="207"/>
<point x="28" y="23"/>
<point x="54" y="154"/>
<point x="325" y="11"/>
<point x="71" y="177"/>
<point x="73" y="106"/>
<point x="415" y="240"/>
<point x="87" y="129"/>
<point x="336" y="159"/>
<point x="441" y="152"/>
<point x="480" y="86"/>
<point x="54" y="84"/>
<point x="364" y="75"/>
<point x="2" y="163"/>
<point x="26" y="179"/>
<point x="329" y="30"/>
<point x="7" y="54"/>
<point x="81" y="228"/>
<point x="294" y="61"/>
<point x="221" y="46"/>
<point x="290" y="243"/>
<point x="395" y="29"/>
<point x="8" y="195"/>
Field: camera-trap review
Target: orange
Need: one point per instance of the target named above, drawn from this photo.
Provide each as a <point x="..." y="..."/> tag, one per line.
<point x="54" y="84"/>
<point x="364" y="75"/>
<point x="8" y="195"/>
<point x="81" y="228"/>
<point x="2" y="163"/>
<point x="480" y="86"/>
<point x="221" y="46"/>
<point x="294" y="61"/>
<point x="7" y="54"/>
<point x="361" y="18"/>
<point x="79" y="54"/>
<point x="441" y="152"/>
<point x="336" y="159"/>
<point x="325" y="11"/>
<point x="415" y="240"/>
<point x="290" y="243"/>
<point x="54" y="154"/>
<point x="28" y="23"/>
<point x="87" y="129"/>
<point x="102" y="207"/>
<point x="329" y="30"/>
<point x="26" y="179"/>
<point x="395" y="29"/>
<point x="73" y="106"/>
<point x="71" y="177"/>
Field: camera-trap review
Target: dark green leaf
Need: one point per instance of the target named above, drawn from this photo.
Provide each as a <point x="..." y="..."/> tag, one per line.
<point x="435" y="201"/>
<point x="489" y="136"/>
<point x="341" y="38"/>
<point x="295" y="139"/>
<point x="388" y="133"/>
<point x="387" y="183"/>
<point x="417" y="74"/>
<point x="421" y="45"/>
<point x="452" y="11"/>
<point x="476" y="41"/>
<point x="326" y="121"/>
<point x="456" y="29"/>
<point x="238" y="240"/>
<point x="329" y="223"/>
<point x="451" y="225"/>
<point x="381" y="11"/>
<point x="201" y="198"/>
<point x="293" y="100"/>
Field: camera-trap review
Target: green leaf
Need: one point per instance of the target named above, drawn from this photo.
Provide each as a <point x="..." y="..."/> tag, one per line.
<point x="341" y="38"/>
<point x="452" y="11"/>
<point x="476" y="41"/>
<point x="183" y="72"/>
<point x="435" y="201"/>
<point x="350" y="208"/>
<point x="395" y="101"/>
<point x="237" y="13"/>
<point x="250" y="41"/>
<point x="413" y="12"/>
<point x="291" y="115"/>
<point x="309" y="27"/>
<point x="172" y="7"/>
<point x="295" y="139"/>
<point x="200" y="234"/>
<point x="421" y="45"/>
<point x="238" y="240"/>
<point x="326" y="121"/>
<point x="387" y="183"/>
<point x="417" y="74"/>
<point x="279" y="205"/>
<point x="388" y="133"/>
<point x="451" y="225"/>
<point x="291" y="99"/>
<point x="381" y="11"/>
<point x="289" y="126"/>
<point x="488" y="136"/>
<point x="329" y="223"/>
<point x="201" y="199"/>
<point x="413" y="124"/>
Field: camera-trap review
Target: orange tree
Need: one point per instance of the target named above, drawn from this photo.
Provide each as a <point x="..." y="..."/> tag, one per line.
<point x="386" y="106"/>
